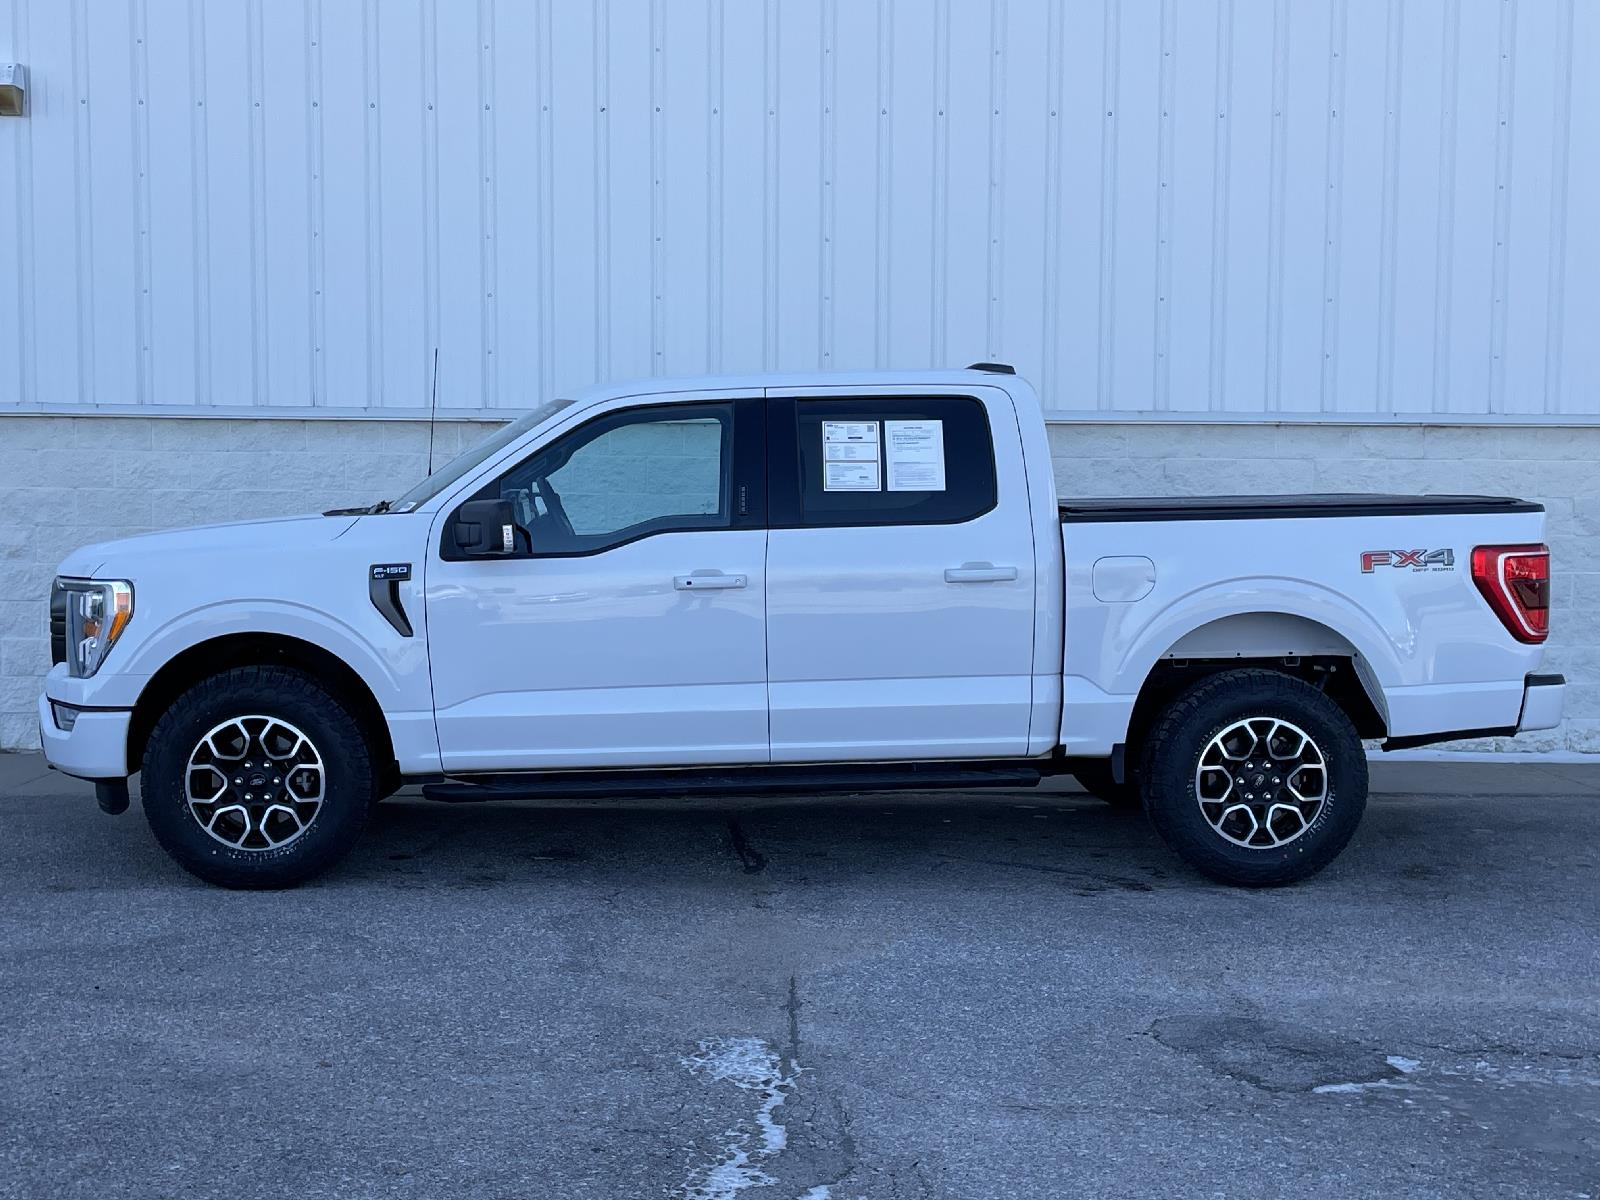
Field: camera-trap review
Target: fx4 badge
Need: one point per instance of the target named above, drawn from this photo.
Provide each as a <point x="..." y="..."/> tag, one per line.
<point x="1417" y="560"/>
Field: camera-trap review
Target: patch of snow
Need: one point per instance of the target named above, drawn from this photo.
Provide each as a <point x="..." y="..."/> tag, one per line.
<point x="820" y="1192"/>
<point x="1399" y="1062"/>
<point x="752" y="1066"/>
<point x="1371" y="1085"/>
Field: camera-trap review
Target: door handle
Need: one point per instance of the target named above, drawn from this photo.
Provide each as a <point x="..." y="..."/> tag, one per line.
<point x="706" y="581"/>
<point x="979" y="573"/>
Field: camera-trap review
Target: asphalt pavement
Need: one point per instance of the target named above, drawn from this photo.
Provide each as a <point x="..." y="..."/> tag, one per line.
<point x="994" y="994"/>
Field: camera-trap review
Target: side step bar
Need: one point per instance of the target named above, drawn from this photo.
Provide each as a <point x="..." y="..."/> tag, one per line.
<point x="730" y="781"/>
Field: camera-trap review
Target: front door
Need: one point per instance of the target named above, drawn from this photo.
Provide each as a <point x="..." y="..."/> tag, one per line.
<point x="900" y="577"/>
<point x="631" y="630"/>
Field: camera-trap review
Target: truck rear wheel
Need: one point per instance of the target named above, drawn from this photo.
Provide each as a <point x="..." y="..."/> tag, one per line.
<point x="1255" y="778"/>
<point x="257" y="778"/>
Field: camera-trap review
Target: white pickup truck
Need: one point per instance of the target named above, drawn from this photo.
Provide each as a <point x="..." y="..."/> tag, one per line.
<point x="801" y="583"/>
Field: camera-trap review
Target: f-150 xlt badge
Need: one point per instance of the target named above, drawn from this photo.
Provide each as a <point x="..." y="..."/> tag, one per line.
<point x="383" y="585"/>
<point x="1417" y="560"/>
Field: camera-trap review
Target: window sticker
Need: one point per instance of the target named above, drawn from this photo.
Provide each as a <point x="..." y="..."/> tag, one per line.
<point x="851" y="452"/>
<point x="850" y="457"/>
<point x="851" y="431"/>
<point x="915" y="451"/>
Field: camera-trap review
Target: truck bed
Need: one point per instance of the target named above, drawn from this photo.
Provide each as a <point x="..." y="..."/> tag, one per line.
<point x="1234" y="508"/>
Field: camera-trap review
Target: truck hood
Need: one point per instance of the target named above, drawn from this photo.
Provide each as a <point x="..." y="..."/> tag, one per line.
<point x="123" y="558"/>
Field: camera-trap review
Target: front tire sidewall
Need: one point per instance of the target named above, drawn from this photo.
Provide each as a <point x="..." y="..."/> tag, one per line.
<point x="348" y="784"/>
<point x="1174" y="755"/>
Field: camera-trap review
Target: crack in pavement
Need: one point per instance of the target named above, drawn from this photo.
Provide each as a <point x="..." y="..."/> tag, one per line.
<point x="1272" y="1056"/>
<point x="1087" y="882"/>
<point x="847" y="1145"/>
<point x="1491" y="1098"/>
<point x="754" y="861"/>
<point x="793" y="1009"/>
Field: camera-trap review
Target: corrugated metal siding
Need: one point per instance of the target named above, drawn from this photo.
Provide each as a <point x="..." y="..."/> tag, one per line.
<point x="1229" y="206"/>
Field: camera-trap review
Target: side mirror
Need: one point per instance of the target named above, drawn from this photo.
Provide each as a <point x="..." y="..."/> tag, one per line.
<point x="485" y="528"/>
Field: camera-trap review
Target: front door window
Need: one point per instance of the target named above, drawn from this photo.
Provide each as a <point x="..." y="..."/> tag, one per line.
<point x="624" y="477"/>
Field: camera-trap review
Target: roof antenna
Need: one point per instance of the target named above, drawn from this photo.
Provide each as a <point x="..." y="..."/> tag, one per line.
<point x="433" y="409"/>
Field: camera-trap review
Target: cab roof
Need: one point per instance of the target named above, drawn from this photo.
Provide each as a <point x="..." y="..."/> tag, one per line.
<point x="987" y="376"/>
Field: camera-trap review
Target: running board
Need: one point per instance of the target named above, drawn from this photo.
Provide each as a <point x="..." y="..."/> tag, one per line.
<point x="729" y="781"/>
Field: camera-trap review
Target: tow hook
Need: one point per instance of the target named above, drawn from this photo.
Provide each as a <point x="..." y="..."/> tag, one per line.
<point x="111" y="795"/>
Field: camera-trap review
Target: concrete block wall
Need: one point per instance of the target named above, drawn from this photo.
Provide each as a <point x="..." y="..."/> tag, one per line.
<point x="65" y="481"/>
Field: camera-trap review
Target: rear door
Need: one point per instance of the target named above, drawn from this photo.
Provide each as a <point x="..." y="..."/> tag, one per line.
<point x="900" y="576"/>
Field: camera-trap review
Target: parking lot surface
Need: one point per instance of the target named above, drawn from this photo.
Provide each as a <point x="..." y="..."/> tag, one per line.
<point x="1000" y="994"/>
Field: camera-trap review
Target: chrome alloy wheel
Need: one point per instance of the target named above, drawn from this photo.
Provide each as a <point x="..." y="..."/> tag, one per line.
<point x="255" y="783"/>
<point x="1261" y="782"/>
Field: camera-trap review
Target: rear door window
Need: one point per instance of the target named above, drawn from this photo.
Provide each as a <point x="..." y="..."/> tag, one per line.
<point x="880" y="460"/>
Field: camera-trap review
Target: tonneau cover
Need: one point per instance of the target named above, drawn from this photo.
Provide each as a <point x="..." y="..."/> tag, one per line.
<point x="1236" y="508"/>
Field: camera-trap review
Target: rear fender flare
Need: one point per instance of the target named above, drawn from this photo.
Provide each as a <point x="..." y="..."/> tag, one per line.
<point x="1376" y="661"/>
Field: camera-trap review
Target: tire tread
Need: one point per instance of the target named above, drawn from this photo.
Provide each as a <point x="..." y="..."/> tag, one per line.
<point x="246" y="687"/>
<point x="1168" y="792"/>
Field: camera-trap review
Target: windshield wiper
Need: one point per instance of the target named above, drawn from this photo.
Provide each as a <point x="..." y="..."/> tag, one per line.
<point x="365" y="510"/>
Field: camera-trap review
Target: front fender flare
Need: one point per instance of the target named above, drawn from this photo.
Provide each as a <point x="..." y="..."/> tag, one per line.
<point x="392" y="677"/>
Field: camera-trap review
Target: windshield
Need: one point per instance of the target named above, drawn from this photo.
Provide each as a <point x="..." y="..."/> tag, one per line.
<point x="468" y="460"/>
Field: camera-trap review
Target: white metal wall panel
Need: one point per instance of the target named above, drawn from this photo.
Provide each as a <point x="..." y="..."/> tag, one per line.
<point x="1342" y="207"/>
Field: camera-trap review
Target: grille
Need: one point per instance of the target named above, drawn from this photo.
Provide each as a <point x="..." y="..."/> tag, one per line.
<point x="58" y="623"/>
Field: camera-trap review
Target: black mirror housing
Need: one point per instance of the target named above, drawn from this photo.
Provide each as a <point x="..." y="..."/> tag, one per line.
<point x="485" y="528"/>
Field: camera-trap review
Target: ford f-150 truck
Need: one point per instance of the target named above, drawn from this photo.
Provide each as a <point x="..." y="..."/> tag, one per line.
<point x="801" y="583"/>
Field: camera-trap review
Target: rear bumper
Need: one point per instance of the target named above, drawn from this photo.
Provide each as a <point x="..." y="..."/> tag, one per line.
<point x="96" y="747"/>
<point x="1543" y="697"/>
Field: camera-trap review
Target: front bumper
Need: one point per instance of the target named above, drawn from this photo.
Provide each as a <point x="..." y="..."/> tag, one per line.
<point x="96" y="747"/>
<point x="1543" y="697"/>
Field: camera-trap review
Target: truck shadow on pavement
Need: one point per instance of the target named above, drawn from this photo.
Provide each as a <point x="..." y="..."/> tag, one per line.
<point x="1412" y="846"/>
<point x="1016" y="842"/>
<point x="1071" y="841"/>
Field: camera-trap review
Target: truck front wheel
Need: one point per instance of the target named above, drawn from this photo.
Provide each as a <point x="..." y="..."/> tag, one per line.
<point x="257" y="777"/>
<point x="1255" y="778"/>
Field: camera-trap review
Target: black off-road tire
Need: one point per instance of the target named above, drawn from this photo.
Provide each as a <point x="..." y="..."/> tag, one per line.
<point x="1094" y="776"/>
<point x="349" y="784"/>
<point x="1172" y="757"/>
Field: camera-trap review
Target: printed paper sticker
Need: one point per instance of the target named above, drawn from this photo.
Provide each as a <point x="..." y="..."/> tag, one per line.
<point x="850" y="451"/>
<point x="915" y="451"/>
<point x="851" y="477"/>
<point x="850" y="457"/>
<point x="851" y="431"/>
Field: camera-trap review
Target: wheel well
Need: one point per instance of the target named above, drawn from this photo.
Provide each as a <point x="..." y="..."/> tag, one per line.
<point x="252" y="650"/>
<point x="1334" y="675"/>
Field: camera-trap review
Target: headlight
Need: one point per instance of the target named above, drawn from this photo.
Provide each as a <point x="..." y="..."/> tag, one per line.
<point x="96" y="612"/>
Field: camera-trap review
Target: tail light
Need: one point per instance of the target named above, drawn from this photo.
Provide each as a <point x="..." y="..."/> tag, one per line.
<point x="1515" y="580"/>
